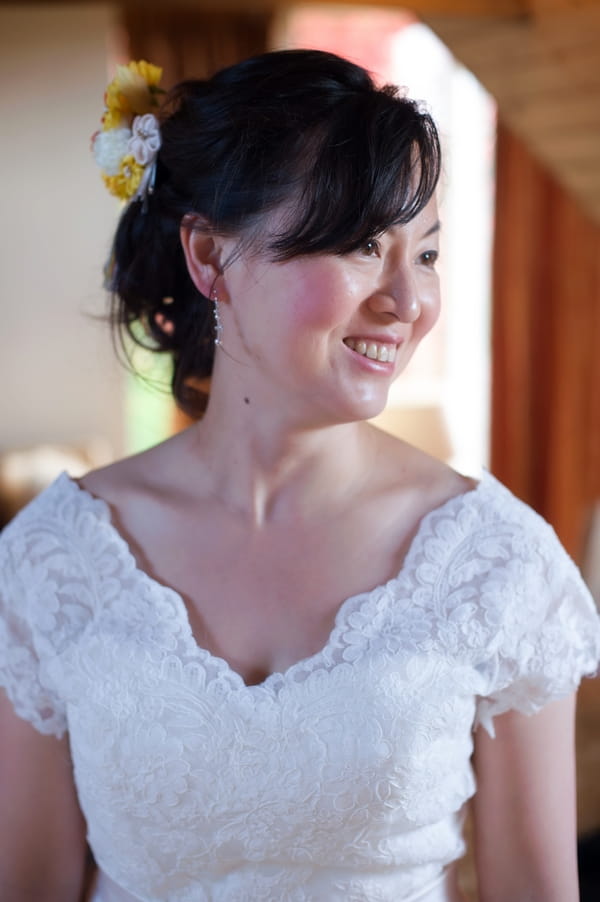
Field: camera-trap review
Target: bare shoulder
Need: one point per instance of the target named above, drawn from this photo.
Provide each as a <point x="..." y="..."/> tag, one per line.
<point x="148" y="494"/>
<point x="406" y="469"/>
<point x="142" y="475"/>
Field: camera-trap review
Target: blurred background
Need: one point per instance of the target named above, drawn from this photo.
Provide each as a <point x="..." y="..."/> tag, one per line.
<point x="510" y="379"/>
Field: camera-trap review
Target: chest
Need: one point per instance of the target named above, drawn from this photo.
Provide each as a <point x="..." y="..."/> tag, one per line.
<point x="264" y="600"/>
<point x="362" y="718"/>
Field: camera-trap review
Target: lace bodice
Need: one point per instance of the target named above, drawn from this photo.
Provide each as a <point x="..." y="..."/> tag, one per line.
<point x="341" y="779"/>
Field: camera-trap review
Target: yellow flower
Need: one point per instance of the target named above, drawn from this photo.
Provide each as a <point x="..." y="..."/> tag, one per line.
<point x="113" y="119"/>
<point x="132" y="92"/>
<point x="127" y="181"/>
<point x="150" y="73"/>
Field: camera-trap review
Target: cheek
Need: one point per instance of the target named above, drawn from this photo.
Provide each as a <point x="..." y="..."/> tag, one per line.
<point x="430" y="312"/>
<point x="317" y="302"/>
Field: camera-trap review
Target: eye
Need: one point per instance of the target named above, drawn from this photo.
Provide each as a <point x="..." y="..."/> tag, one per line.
<point x="429" y="258"/>
<point x="371" y="248"/>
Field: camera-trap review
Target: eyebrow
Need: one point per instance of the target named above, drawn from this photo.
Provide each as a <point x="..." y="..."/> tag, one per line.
<point x="434" y="228"/>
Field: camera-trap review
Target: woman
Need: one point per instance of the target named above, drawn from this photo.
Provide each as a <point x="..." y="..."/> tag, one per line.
<point x="237" y="731"/>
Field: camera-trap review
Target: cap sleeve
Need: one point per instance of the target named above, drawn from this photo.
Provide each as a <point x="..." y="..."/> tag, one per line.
<point x="546" y="632"/>
<point x="28" y="604"/>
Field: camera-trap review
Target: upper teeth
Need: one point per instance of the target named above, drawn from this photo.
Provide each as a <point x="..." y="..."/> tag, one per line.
<point x="386" y="353"/>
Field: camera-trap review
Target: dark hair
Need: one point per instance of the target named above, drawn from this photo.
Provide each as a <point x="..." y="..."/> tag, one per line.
<point x="294" y="125"/>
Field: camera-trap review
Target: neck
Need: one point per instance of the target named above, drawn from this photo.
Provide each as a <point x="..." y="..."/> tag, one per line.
<point x="269" y="470"/>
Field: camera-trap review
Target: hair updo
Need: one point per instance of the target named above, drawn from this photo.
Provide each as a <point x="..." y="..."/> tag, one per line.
<point x="293" y="125"/>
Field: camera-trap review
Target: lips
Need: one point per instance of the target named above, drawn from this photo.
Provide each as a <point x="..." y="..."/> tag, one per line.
<point x="384" y="352"/>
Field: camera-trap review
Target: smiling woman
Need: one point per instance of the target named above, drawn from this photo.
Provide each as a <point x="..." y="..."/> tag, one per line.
<point x="322" y="309"/>
<point x="386" y="172"/>
<point x="270" y="655"/>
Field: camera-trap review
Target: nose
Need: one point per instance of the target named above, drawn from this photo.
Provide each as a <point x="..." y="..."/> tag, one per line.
<point x="398" y="297"/>
<point x="409" y="309"/>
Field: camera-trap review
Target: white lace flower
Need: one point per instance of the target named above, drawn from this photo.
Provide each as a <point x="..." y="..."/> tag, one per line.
<point x="144" y="142"/>
<point x="110" y="147"/>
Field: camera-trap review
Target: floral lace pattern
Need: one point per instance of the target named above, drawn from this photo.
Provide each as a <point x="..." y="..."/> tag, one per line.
<point x="341" y="778"/>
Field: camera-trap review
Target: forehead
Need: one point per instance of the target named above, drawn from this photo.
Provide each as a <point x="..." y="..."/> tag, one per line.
<point x="425" y="224"/>
<point x="260" y="239"/>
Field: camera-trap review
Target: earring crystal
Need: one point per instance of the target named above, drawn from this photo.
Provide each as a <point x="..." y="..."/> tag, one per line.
<point x="218" y="326"/>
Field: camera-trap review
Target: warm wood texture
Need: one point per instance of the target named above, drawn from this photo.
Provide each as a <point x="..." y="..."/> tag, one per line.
<point x="544" y="72"/>
<point x="193" y="42"/>
<point x="539" y="58"/>
<point x="546" y="334"/>
<point x="435" y="7"/>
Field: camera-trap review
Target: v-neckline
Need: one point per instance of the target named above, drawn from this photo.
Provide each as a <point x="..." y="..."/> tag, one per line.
<point x="278" y="677"/>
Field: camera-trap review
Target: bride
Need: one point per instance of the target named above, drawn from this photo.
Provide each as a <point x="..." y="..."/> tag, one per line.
<point x="274" y="657"/>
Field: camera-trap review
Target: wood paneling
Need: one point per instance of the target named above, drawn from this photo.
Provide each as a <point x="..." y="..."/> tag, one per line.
<point x="544" y="72"/>
<point x="546" y="331"/>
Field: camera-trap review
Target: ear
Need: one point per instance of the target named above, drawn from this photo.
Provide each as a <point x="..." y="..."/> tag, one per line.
<point x="203" y="253"/>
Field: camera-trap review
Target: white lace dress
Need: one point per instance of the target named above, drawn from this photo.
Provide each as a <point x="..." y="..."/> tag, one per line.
<point x="340" y="780"/>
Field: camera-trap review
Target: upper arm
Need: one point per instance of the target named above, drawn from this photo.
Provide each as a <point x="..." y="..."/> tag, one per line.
<point x="525" y="818"/>
<point x="43" y="591"/>
<point x="42" y="830"/>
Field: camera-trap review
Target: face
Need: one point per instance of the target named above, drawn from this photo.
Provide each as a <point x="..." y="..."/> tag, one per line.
<point x="325" y="335"/>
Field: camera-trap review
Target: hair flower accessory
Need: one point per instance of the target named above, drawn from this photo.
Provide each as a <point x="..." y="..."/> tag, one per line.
<point x="144" y="143"/>
<point x="126" y="146"/>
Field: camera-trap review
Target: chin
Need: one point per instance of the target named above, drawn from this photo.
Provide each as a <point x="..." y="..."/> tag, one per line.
<point x="365" y="409"/>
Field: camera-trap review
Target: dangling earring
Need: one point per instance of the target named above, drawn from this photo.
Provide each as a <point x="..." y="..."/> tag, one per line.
<point x="217" y="319"/>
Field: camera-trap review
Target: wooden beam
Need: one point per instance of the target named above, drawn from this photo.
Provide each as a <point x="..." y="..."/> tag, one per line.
<point x="525" y="8"/>
<point x="427" y="7"/>
<point x="545" y="76"/>
<point x="542" y="8"/>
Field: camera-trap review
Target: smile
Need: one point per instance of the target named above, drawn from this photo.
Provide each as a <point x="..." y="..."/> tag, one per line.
<point x="384" y="353"/>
